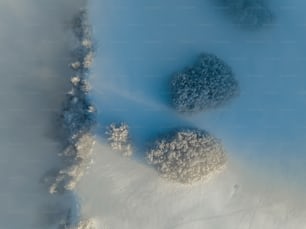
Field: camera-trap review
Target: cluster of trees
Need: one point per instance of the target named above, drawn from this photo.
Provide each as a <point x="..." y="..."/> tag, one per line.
<point x="118" y="138"/>
<point x="83" y="50"/>
<point x="187" y="155"/>
<point x="76" y="158"/>
<point x="78" y="115"/>
<point x="208" y="84"/>
<point x="76" y="121"/>
<point x="251" y="14"/>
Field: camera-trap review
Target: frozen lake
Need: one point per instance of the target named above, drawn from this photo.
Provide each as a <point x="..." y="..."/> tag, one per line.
<point x="141" y="47"/>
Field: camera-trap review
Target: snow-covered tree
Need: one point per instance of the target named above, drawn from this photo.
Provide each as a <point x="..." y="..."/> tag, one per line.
<point x="84" y="224"/>
<point x="83" y="51"/>
<point x="208" y="84"/>
<point x="78" y="114"/>
<point x="81" y="27"/>
<point x="249" y="13"/>
<point x="76" y="157"/>
<point x="187" y="155"/>
<point x="118" y="138"/>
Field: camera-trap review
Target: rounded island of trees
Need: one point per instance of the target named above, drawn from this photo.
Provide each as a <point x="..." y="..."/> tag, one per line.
<point x="208" y="84"/>
<point x="187" y="155"/>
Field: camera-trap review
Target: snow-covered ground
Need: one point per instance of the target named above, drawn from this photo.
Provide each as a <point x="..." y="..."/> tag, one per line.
<point x="140" y="45"/>
<point x="34" y="77"/>
<point x="122" y="193"/>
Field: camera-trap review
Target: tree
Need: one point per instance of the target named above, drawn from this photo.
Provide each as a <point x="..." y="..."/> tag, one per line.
<point x="118" y="137"/>
<point x="187" y="155"/>
<point x="249" y="13"/>
<point x="208" y="84"/>
<point x="85" y="224"/>
<point x="78" y="114"/>
<point x="76" y="158"/>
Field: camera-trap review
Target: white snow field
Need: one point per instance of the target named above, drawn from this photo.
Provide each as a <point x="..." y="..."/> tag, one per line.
<point x="140" y="45"/>
<point x="34" y="78"/>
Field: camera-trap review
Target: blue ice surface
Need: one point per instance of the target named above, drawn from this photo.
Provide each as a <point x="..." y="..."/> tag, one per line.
<point x="141" y="44"/>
